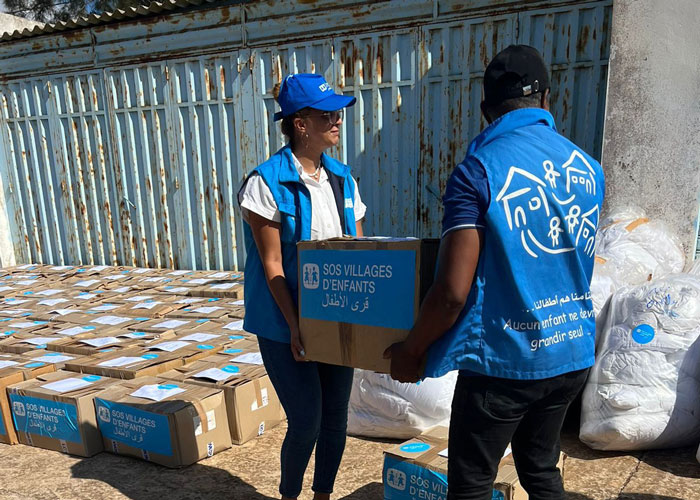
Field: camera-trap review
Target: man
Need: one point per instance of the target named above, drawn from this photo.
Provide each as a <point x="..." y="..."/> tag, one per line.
<point x="510" y="307"/>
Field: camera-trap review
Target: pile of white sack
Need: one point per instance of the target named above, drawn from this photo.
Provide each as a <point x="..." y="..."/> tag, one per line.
<point x="644" y="390"/>
<point x="630" y="250"/>
<point x="383" y="407"/>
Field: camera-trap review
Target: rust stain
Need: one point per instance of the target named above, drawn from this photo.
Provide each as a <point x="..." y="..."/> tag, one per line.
<point x="583" y="40"/>
<point x="368" y="58"/>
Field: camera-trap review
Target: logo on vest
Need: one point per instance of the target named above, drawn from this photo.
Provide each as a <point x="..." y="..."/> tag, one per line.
<point x="564" y="197"/>
<point x="310" y="274"/>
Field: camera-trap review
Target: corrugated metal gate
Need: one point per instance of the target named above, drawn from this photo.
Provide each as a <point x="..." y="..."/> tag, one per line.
<point x="140" y="165"/>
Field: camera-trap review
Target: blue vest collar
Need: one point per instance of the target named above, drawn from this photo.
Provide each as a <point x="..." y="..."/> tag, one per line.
<point x="289" y="173"/>
<point x="511" y="121"/>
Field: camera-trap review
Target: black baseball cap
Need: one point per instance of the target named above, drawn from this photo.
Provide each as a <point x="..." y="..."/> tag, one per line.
<point x="516" y="71"/>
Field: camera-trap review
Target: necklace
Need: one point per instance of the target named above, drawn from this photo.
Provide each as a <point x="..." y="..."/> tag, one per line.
<point x="317" y="173"/>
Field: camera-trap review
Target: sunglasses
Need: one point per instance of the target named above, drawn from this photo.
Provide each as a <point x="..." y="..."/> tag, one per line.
<point x="330" y="117"/>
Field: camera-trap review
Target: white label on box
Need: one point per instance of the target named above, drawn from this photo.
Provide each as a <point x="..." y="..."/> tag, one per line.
<point x="207" y="310"/>
<point x="265" y="398"/>
<point x="6" y="363"/>
<point x="223" y="286"/>
<point x="142" y="270"/>
<point x="157" y="392"/>
<point x="139" y="298"/>
<point x="104" y="308"/>
<point x="101" y="342"/>
<point x="51" y="302"/>
<point x="111" y="320"/>
<point x="200" y="337"/>
<point x="121" y="361"/>
<point x="235" y="325"/>
<point x="261" y="429"/>
<point x="10" y="302"/>
<point x="53" y="358"/>
<point x="178" y="289"/>
<point x="85" y="296"/>
<point x="64" y="445"/>
<point x="39" y="340"/>
<point x="219" y="275"/>
<point x="197" y="422"/>
<point x="61" y="268"/>
<point x="5" y="288"/>
<point x="146" y="305"/>
<point x="15" y="312"/>
<point x="115" y="277"/>
<point x="64" y="312"/>
<point x="443" y="453"/>
<point x="211" y="420"/>
<point x="155" y="279"/>
<point x="238" y="302"/>
<point x="250" y="358"/>
<point x="134" y="335"/>
<point x="69" y="332"/>
<point x="170" y="346"/>
<point x="48" y="293"/>
<point x="84" y="283"/>
<point x="26" y="266"/>
<point x="122" y="289"/>
<point x="210" y="449"/>
<point x="214" y="374"/>
<point x="189" y="300"/>
<point x="199" y="281"/>
<point x="68" y="384"/>
<point x="98" y="269"/>
<point x="24" y="324"/>
<point x="179" y="273"/>
<point x="26" y="282"/>
<point x="173" y="323"/>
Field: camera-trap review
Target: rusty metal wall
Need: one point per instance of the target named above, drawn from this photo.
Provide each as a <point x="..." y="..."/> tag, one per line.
<point x="140" y="164"/>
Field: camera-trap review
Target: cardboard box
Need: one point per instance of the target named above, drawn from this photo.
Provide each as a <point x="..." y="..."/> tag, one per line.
<point x="252" y="404"/>
<point x="56" y="411"/>
<point x="151" y="308"/>
<point x="15" y="369"/>
<point x="417" y="469"/>
<point x="208" y="310"/>
<point x="187" y="425"/>
<point x="26" y="342"/>
<point x="232" y="289"/>
<point x="57" y="359"/>
<point x="359" y="296"/>
<point x="89" y="345"/>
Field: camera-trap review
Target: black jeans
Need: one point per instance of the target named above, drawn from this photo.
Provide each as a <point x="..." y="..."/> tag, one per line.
<point x="488" y="413"/>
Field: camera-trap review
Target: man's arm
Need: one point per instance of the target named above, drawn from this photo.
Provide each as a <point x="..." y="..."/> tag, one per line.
<point x="457" y="261"/>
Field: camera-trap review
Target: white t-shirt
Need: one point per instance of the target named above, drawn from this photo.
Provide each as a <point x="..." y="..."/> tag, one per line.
<point x="325" y="222"/>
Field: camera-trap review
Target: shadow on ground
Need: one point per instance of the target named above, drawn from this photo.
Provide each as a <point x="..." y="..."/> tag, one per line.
<point x="371" y="491"/>
<point x="145" y="481"/>
<point x="625" y="496"/>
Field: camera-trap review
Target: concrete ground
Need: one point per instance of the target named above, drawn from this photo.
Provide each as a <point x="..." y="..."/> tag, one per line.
<point x="250" y="472"/>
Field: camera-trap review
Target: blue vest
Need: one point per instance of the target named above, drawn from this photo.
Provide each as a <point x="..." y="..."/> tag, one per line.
<point x="263" y="317"/>
<point x="529" y="314"/>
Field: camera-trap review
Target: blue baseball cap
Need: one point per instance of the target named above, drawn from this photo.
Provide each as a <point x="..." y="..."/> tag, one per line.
<point x="306" y="90"/>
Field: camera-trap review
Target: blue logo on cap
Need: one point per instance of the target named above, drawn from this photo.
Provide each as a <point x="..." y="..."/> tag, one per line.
<point x="309" y="90"/>
<point x="643" y="334"/>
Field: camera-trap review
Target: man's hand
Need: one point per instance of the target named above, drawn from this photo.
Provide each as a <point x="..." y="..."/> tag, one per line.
<point x="405" y="366"/>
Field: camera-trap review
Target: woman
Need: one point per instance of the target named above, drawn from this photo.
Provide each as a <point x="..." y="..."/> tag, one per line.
<point x="300" y="193"/>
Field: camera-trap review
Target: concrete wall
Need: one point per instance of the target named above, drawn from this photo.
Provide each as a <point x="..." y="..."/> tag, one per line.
<point x="651" y="143"/>
<point x="10" y="23"/>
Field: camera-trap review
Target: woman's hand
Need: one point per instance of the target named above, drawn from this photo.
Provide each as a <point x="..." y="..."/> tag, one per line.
<point x="296" y="345"/>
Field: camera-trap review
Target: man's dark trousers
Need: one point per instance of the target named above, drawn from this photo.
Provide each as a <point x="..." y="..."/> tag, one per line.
<point x="488" y="413"/>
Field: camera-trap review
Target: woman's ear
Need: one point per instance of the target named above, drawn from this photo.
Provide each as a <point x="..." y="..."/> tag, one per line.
<point x="300" y="125"/>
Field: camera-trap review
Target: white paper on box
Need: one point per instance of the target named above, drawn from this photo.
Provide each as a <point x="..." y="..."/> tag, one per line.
<point x="15" y="312"/>
<point x="171" y="346"/>
<point x="24" y="324"/>
<point x="85" y="296"/>
<point x="64" y="312"/>
<point x="249" y="358"/>
<point x="215" y="374"/>
<point x="51" y="302"/>
<point x="189" y="300"/>
<point x="211" y="420"/>
<point x="178" y="273"/>
<point x="5" y="288"/>
<point x="53" y="358"/>
<point x="139" y="298"/>
<point x="110" y="320"/>
<point x="156" y="392"/>
<point x="101" y="341"/>
<point x="115" y="277"/>
<point x="238" y="302"/>
<point x="155" y="279"/>
<point x="26" y="266"/>
<point x="146" y="305"/>
<point x="122" y="289"/>
<point x="133" y="335"/>
<point x="235" y="325"/>
<point x="61" y="268"/>
<point x="26" y="282"/>
<point x="173" y="323"/>
<point x="142" y="270"/>
<point x="69" y="332"/>
<point x="223" y="286"/>
<point x="219" y="275"/>
<point x="121" y="361"/>
<point x="48" y="293"/>
<point x="199" y="281"/>
<point x="10" y="302"/>
<point x="39" y="340"/>
<point x="207" y="310"/>
<point x="200" y="337"/>
<point x="68" y="384"/>
<point x="178" y="289"/>
<point x="104" y="308"/>
<point x="6" y="363"/>
<point x="98" y="269"/>
<point x="86" y="283"/>
<point x="264" y="400"/>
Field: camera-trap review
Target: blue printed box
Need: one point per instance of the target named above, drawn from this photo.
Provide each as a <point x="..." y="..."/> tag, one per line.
<point x="359" y="296"/>
<point x="417" y="469"/>
<point x="169" y="423"/>
<point x="55" y="411"/>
